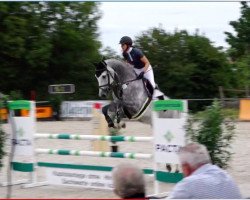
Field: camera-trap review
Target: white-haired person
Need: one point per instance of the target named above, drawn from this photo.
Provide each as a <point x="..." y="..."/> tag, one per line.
<point x="202" y="180"/>
<point x="128" y="181"/>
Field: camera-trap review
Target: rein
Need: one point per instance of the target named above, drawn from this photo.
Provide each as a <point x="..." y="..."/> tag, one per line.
<point x="116" y="86"/>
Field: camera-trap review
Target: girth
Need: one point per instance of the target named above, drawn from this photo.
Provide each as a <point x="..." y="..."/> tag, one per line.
<point x="140" y="112"/>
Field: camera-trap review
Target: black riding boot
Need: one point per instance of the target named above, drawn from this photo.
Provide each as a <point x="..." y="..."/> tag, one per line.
<point x="161" y="97"/>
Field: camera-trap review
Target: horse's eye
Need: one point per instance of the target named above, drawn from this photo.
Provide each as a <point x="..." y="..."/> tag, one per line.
<point x="104" y="76"/>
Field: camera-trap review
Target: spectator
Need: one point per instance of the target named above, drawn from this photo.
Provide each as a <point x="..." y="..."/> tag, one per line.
<point x="202" y="179"/>
<point x="128" y="181"/>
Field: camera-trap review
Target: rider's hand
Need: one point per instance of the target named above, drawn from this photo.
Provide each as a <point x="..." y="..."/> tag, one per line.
<point x="140" y="76"/>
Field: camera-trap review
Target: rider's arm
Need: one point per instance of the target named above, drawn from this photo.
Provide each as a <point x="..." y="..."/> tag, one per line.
<point x="146" y="62"/>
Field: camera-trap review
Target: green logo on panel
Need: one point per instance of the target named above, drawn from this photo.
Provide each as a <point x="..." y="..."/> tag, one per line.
<point x="169" y="136"/>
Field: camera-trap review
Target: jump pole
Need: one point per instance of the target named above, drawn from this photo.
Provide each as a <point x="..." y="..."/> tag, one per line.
<point x="158" y="174"/>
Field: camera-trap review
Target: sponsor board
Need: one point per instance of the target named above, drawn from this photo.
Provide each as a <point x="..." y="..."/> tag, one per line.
<point x="169" y="133"/>
<point x="80" y="178"/>
<point x="78" y="109"/>
<point x="23" y="137"/>
<point x="170" y="137"/>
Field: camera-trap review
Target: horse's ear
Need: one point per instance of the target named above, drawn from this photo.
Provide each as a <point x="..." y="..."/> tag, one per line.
<point x="104" y="63"/>
<point x="104" y="58"/>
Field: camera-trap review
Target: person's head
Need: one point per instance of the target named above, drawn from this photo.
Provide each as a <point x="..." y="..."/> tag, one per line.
<point x="128" y="181"/>
<point x="192" y="156"/>
<point x="126" y="42"/>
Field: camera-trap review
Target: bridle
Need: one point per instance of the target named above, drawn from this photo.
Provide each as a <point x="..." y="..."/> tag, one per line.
<point x="108" y="75"/>
<point x="115" y="86"/>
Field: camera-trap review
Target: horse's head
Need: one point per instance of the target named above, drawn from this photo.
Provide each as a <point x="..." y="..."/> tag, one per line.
<point x="105" y="78"/>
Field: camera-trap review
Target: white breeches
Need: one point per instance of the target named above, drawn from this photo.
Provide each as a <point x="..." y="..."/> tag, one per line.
<point x="149" y="74"/>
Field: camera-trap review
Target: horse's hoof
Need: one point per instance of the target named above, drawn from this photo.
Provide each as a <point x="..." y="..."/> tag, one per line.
<point x="113" y="131"/>
<point x="111" y="125"/>
<point x="123" y="125"/>
<point x="168" y="167"/>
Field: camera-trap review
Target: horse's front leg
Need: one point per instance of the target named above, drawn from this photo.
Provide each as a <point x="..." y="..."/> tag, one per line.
<point x="106" y="113"/>
<point x="110" y="112"/>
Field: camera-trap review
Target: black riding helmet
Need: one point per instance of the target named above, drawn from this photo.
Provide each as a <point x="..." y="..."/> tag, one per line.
<point x="126" y="40"/>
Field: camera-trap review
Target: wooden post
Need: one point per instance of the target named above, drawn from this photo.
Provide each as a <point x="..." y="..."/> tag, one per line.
<point x="247" y="91"/>
<point x="222" y="97"/>
<point x="100" y="127"/>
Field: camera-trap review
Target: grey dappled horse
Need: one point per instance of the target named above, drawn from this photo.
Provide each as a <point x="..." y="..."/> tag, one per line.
<point x="131" y="95"/>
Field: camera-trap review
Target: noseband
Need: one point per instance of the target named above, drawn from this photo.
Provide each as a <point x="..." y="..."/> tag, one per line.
<point x="116" y="86"/>
<point x="108" y="84"/>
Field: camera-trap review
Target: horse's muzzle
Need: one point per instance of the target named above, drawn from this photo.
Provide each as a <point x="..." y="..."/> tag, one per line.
<point x="103" y="93"/>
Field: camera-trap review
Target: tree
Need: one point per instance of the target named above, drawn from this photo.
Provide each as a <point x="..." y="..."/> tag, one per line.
<point x="108" y="52"/>
<point x="239" y="50"/>
<point x="3" y="100"/>
<point x="45" y="43"/>
<point x="186" y="66"/>
<point x="240" y="42"/>
<point x="214" y="131"/>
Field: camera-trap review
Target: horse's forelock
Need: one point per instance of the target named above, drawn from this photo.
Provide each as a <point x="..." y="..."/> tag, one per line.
<point x="100" y="68"/>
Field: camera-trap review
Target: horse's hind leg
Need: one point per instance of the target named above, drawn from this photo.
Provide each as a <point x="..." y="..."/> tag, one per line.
<point x="108" y="119"/>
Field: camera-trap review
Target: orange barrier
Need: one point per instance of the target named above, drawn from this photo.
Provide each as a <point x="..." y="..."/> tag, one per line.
<point x="41" y="112"/>
<point x="3" y="114"/>
<point x="244" y="113"/>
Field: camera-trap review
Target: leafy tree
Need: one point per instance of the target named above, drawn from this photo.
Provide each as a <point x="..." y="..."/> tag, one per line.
<point x="240" y="42"/>
<point x="214" y="131"/>
<point x="108" y="52"/>
<point x="2" y="141"/>
<point x="3" y="99"/>
<point x="239" y="50"/>
<point x="45" y="43"/>
<point x="186" y="66"/>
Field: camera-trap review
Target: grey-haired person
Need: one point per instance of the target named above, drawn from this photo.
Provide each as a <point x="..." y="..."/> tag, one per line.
<point x="203" y="180"/>
<point x="128" y="181"/>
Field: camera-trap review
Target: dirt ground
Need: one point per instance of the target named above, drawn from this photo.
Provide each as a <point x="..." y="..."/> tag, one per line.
<point x="239" y="165"/>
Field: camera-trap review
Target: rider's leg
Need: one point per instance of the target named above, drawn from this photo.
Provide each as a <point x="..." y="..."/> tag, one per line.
<point x="108" y="119"/>
<point x="150" y="76"/>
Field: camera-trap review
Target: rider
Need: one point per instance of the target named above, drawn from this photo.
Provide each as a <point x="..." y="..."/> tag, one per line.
<point x="135" y="57"/>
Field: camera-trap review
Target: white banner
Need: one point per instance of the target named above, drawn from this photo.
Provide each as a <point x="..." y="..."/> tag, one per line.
<point x="169" y="133"/>
<point x="169" y="138"/>
<point x="23" y="131"/>
<point x="80" y="178"/>
<point x="78" y="109"/>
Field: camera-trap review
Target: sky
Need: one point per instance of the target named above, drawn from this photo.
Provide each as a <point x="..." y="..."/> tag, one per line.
<point x="132" y="18"/>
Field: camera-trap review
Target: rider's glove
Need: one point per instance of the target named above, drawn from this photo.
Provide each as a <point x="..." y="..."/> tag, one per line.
<point x="140" y="76"/>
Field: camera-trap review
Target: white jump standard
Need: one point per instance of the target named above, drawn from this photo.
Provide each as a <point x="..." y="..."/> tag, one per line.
<point x="168" y="132"/>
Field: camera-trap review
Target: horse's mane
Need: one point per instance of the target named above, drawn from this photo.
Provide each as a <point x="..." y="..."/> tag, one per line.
<point x="122" y="68"/>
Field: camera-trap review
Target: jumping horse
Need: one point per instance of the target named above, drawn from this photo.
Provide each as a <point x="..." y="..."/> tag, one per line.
<point x="131" y="94"/>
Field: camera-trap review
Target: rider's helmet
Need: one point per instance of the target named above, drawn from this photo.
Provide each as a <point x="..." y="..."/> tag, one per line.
<point x="126" y="40"/>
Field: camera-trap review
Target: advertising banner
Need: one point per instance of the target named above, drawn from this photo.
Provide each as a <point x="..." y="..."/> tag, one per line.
<point x="80" y="178"/>
<point x="78" y="109"/>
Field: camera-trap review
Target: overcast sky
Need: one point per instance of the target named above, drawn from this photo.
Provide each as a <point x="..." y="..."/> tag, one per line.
<point x="132" y="18"/>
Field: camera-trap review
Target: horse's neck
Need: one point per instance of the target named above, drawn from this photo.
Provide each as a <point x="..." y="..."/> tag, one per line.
<point x="124" y="73"/>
